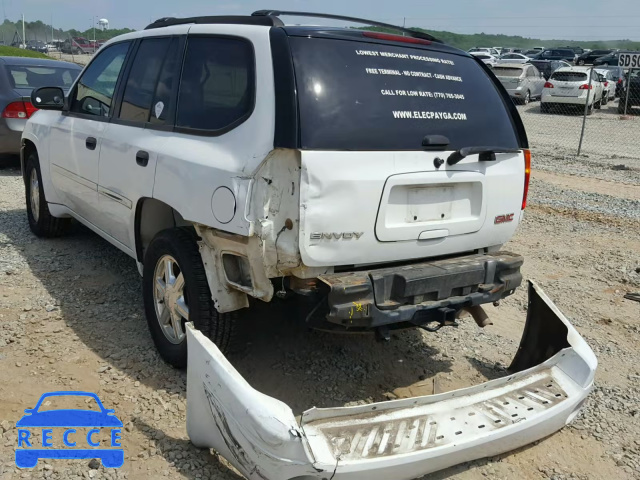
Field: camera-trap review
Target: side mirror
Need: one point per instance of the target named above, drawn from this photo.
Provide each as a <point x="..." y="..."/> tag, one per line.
<point x="48" y="98"/>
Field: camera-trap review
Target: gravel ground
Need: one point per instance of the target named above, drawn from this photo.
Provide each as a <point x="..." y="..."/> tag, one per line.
<point x="72" y="318"/>
<point x="607" y="134"/>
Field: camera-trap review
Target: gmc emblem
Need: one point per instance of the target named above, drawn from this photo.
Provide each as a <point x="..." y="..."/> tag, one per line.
<point x="504" y="219"/>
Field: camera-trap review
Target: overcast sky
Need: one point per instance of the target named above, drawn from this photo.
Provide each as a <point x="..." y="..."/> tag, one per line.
<point x="570" y="19"/>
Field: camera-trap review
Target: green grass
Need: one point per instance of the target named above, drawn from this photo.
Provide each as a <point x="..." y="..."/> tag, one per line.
<point x="19" y="52"/>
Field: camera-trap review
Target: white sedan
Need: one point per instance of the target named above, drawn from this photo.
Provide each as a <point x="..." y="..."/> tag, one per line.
<point x="486" y="58"/>
<point x="514" y="58"/>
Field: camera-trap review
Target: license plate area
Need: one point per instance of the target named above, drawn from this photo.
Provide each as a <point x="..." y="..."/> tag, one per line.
<point x="423" y="206"/>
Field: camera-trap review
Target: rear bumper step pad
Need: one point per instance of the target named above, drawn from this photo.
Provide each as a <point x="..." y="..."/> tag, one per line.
<point x="415" y="293"/>
<point x="552" y="374"/>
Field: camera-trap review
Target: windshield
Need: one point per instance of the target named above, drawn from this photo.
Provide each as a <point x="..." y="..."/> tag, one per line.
<point x="368" y="96"/>
<point x="507" y="72"/>
<point x="69" y="402"/>
<point x="569" y="76"/>
<point x="22" y="76"/>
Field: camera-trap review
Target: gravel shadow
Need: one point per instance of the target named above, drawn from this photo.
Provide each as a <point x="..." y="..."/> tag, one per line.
<point x="98" y="291"/>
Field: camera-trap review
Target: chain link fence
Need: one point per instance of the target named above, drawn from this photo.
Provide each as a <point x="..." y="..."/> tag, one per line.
<point x="585" y="113"/>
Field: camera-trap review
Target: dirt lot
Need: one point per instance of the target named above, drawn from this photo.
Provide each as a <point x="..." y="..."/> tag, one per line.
<point x="71" y="318"/>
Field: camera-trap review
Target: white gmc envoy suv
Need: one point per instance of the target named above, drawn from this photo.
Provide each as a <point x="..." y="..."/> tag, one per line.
<point x="369" y="178"/>
<point x="374" y="176"/>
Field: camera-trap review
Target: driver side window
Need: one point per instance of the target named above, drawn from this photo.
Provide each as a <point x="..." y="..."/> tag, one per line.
<point x="95" y="90"/>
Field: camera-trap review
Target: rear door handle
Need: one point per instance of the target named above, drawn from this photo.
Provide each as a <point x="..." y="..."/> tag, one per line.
<point x="142" y="158"/>
<point x="91" y="143"/>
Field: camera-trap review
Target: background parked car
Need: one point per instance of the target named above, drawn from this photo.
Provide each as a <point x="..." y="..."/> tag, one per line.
<point x="619" y="77"/>
<point x="523" y="82"/>
<point x="513" y="58"/>
<point x="610" y="81"/>
<point x="488" y="51"/>
<point x="486" y="58"/>
<point x="20" y="75"/>
<point x="569" y="87"/>
<point x="634" y="94"/>
<point x="547" y="67"/>
<point x="556" y="54"/>
<point x="611" y="59"/>
<point x="589" y="57"/>
<point x="37" y="46"/>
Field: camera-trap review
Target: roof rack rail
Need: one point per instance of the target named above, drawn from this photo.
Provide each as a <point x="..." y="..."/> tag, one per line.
<point x="408" y="31"/>
<point x="267" y="21"/>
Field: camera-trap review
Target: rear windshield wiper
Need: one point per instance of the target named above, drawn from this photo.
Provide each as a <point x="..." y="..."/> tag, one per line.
<point x="487" y="154"/>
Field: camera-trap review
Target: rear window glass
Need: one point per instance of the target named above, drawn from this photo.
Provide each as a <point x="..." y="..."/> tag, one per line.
<point x="569" y="76"/>
<point x="22" y="76"/>
<point x="367" y="96"/>
<point x="507" y="72"/>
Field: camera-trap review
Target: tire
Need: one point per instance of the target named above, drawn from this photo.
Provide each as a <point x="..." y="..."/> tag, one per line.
<point x="605" y="99"/>
<point x="177" y="247"/>
<point x="77" y="51"/>
<point x="527" y="98"/>
<point x="590" y="109"/>
<point x="41" y="222"/>
<point x="598" y="105"/>
<point x="580" y="62"/>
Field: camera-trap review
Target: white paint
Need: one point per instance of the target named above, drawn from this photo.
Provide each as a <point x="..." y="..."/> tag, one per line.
<point x="223" y="204"/>
<point x="158" y="109"/>
<point x="260" y="437"/>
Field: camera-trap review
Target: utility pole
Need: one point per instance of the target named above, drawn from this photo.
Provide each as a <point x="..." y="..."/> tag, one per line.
<point x="24" y="42"/>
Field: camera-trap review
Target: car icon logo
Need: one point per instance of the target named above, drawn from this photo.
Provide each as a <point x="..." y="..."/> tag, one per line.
<point x="71" y="443"/>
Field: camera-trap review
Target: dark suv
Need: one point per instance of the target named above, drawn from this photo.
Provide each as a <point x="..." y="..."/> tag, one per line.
<point x="565" y="54"/>
<point x="589" y="57"/>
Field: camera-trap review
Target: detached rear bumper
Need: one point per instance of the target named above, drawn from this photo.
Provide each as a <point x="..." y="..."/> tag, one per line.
<point x="401" y="439"/>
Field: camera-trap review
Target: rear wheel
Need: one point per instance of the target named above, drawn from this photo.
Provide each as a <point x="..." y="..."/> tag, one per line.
<point x="590" y="109"/>
<point x="176" y="291"/>
<point x="41" y="222"/>
<point x="598" y="105"/>
<point x="527" y="98"/>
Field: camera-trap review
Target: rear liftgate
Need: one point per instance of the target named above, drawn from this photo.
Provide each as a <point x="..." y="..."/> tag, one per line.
<point x="551" y="375"/>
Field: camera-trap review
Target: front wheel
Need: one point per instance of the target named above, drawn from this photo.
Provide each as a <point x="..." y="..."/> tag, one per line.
<point x="176" y="291"/>
<point x="527" y="98"/>
<point x="41" y="222"/>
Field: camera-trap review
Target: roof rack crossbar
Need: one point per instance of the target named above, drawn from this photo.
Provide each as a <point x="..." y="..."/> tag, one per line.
<point x="269" y="21"/>
<point x="277" y="13"/>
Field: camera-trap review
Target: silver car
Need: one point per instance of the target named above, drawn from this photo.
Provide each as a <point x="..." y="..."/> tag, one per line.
<point x="18" y="77"/>
<point x="523" y="82"/>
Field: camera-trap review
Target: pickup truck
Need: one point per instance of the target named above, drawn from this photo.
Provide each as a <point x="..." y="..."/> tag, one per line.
<point x="370" y="177"/>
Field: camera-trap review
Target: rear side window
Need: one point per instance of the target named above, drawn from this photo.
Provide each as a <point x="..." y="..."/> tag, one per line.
<point x="217" y="88"/>
<point x="366" y="96"/>
<point x="25" y="76"/>
<point x="141" y="84"/>
<point x="569" y="76"/>
<point x="507" y="72"/>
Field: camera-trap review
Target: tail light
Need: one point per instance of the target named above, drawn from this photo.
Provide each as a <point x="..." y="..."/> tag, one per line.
<point x="585" y="87"/>
<point x="527" y="176"/>
<point x="620" y="81"/>
<point x="396" y="38"/>
<point x="19" y="109"/>
<point x="606" y="84"/>
<point x="548" y="85"/>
